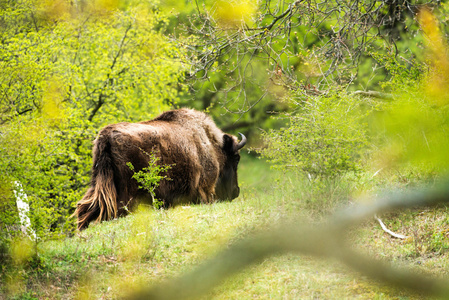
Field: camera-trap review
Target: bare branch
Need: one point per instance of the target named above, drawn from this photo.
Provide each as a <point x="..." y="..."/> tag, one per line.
<point x="285" y="37"/>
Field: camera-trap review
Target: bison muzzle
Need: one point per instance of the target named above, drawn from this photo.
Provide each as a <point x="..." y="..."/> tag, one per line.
<point x="203" y="164"/>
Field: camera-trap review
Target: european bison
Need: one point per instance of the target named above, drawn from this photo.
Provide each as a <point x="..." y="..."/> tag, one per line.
<point x="203" y="164"/>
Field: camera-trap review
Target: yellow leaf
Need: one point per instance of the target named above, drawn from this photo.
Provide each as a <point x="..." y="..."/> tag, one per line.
<point x="437" y="85"/>
<point x="52" y="102"/>
<point x="234" y="14"/>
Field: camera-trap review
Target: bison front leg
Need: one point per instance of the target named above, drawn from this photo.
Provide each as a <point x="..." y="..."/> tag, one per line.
<point x="207" y="186"/>
<point x="206" y="195"/>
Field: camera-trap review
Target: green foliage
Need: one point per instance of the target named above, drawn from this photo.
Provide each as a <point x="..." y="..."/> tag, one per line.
<point x="324" y="138"/>
<point x="110" y="62"/>
<point x="150" y="177"/>
<point x="52" y="166"/>
<point x="411" y="130"/>
<point x="9" y="219"/>
<point x="400" y="73"/>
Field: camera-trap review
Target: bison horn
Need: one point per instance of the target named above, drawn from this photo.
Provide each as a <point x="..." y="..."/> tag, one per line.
<point x="242" y="142"/>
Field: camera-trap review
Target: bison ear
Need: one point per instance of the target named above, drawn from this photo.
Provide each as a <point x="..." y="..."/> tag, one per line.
<point x="228" y="143"/>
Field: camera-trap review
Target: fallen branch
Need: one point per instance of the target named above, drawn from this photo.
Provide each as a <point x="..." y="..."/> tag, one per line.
<point x="396" y="235"/>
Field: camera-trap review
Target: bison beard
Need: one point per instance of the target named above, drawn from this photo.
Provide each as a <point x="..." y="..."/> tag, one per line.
<point x="203" y="163"/>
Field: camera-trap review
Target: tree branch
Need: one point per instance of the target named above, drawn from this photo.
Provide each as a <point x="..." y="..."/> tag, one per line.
<point x="97" y="107"/>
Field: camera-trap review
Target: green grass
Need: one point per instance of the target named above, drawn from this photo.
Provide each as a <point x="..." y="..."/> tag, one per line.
<point x="114" y="258"/>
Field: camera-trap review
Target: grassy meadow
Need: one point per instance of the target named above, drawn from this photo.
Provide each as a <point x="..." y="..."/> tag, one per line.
<point x="112" y="259"/>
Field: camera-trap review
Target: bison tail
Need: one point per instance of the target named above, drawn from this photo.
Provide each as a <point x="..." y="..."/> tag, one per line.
<point x="100" y="201"/>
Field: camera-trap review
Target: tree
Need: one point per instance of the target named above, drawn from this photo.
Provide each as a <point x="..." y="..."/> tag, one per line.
<point x="303" y="45"/>
<point x="66" y="70"/>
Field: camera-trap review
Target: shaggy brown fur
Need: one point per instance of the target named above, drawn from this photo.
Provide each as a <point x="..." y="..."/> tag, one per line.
<point x="203" y="163"/>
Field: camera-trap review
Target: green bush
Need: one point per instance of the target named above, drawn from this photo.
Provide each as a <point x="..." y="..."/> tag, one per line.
<point x="149" y="177"/>
<point x="325" y="137"/>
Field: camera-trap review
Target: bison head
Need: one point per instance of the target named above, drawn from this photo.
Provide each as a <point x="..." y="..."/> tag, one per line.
<point x="227" y="187"/>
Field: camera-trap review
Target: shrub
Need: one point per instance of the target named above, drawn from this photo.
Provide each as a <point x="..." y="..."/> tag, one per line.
<point x="324" y="137"/>
<point x="149" y="177"/>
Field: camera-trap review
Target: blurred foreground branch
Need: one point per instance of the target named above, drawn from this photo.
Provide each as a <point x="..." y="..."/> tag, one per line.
<point x="326" y="240"/>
